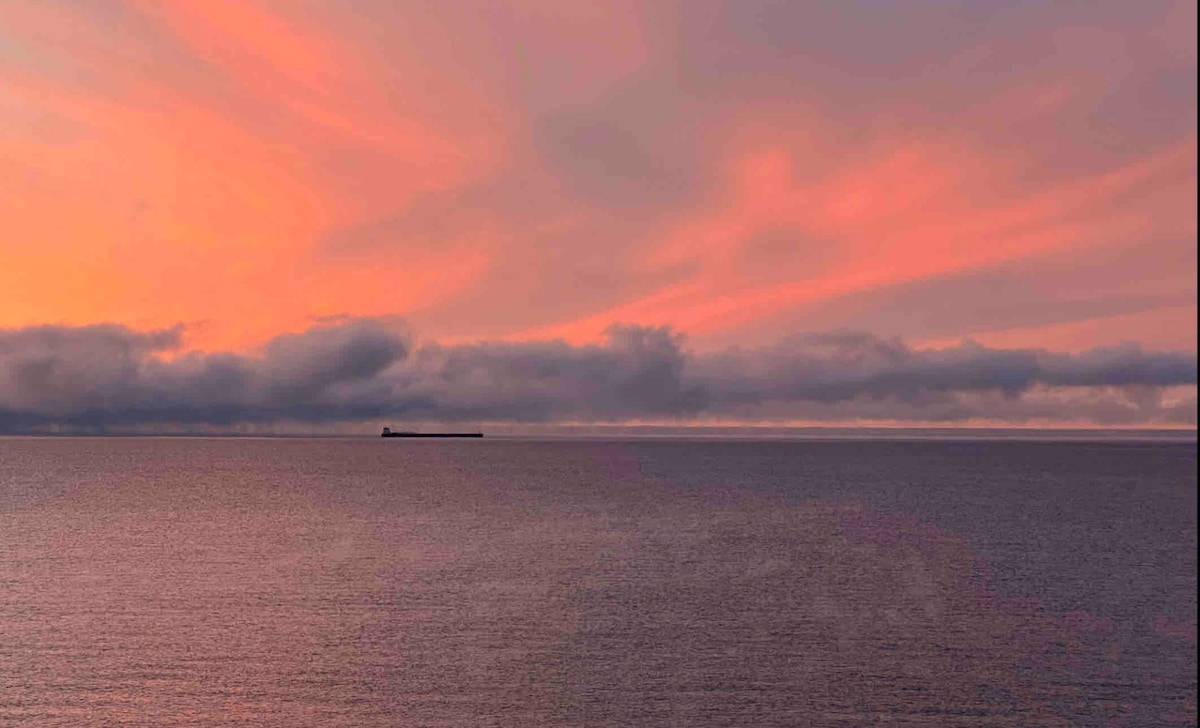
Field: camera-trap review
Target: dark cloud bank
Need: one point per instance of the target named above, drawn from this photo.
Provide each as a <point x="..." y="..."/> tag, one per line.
<point x="111" y="378"/>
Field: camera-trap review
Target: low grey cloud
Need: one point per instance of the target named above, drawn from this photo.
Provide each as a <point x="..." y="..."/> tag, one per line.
<point x="100" y="378"/>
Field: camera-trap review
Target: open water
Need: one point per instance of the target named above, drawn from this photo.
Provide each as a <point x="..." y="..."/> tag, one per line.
<point x="368" y="582"/>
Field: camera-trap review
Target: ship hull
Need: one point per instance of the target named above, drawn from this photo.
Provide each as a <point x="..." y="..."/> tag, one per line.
<point x="433" y="434"/>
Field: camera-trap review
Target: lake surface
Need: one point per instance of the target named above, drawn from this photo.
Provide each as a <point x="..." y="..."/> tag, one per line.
<point x="368" y="582"/>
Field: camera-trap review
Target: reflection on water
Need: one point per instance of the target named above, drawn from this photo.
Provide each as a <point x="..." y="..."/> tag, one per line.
<point x="364" y="582"/>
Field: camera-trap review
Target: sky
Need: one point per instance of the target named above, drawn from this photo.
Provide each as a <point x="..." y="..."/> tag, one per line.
<point x="220" y="213"/>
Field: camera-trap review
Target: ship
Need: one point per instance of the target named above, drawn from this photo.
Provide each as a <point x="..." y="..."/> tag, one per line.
<point x="389" y="432"/>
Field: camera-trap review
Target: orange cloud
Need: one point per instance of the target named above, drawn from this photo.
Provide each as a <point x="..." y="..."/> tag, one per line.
<point x="912" y="214"/>
<point x="178" y="210"/>
<point x="254" y="165"/>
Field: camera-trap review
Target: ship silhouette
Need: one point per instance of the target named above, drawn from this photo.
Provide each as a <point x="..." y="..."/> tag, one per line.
<point x="388" y="432"/>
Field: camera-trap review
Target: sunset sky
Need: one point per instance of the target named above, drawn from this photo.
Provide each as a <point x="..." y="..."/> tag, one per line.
<point x="861" y="211"/>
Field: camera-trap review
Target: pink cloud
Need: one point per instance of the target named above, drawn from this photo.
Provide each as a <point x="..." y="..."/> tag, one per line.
<point x="535" y="170"/>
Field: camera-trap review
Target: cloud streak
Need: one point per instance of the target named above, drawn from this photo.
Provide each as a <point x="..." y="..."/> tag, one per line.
<point x="110" y="378"/>
<point x="529" y="170"/>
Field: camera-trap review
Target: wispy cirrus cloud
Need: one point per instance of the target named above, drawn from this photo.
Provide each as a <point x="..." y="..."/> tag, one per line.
<point x="534" y="170"/>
